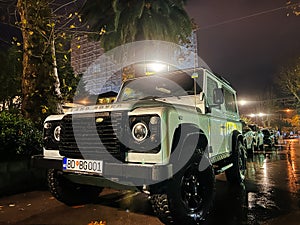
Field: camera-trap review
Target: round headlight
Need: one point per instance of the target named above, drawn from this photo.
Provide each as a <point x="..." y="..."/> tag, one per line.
<point x="139" y="131"/>
<point x="56" y="133"/>
<point x="47" y="125"/>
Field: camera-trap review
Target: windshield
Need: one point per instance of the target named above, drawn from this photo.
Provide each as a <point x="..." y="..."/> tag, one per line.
<point x="160" y="86"/>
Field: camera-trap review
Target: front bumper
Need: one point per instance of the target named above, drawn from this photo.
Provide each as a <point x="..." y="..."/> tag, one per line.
<point x="114" y="170"/>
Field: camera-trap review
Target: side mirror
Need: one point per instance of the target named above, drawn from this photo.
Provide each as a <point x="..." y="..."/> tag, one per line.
<point x="218" y="96"/>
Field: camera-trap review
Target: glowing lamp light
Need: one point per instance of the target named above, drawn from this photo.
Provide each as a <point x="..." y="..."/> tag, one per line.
<point x="84" y="101"/>
<point x="261" y="114"/>
<point x="156" y="67"/>
<point x="252" y="115"/>
<point x="243" y="102"/>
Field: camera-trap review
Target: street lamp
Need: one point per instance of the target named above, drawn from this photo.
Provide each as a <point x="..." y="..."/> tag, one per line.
<point x="252" y="115"/>
<point x="243" y="102"/>
<point x="256" y="115"/>
<point x="261" y="114"/>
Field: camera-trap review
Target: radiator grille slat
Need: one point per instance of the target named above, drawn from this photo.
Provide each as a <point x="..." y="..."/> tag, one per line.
<point x="84" y="137"/>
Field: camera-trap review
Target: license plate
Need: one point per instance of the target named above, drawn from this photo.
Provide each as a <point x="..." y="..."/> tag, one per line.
<point x="82" y="165"/>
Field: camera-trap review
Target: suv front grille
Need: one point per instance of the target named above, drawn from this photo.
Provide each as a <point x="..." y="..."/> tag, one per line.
<point x="92" y="136"/>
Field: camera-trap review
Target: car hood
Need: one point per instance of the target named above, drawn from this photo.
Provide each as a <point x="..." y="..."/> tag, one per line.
<point x="174" y="102"/>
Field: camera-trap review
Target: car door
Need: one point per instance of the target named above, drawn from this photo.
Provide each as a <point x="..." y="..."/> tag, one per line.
<point x="217" y="123"/>
<point x="232" y="116"/>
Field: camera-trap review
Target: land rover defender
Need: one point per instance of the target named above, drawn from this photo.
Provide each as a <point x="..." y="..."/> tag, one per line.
<point x="167" y="134"/>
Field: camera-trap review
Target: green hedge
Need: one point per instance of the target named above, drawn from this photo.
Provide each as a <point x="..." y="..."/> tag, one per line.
<point x="18" y="137"/>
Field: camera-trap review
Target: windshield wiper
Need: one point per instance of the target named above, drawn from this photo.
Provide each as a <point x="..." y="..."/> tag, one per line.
<point x="150" y="97"/>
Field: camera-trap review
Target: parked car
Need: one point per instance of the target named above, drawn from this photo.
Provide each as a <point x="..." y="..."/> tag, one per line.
<point x="269" y="138"/>
<point x="154" y="138"/>
<point x="258" y="137"/>
<point x="290" y="135"/>
<point x="249" y="140"/>
<point x="276" y="137"/>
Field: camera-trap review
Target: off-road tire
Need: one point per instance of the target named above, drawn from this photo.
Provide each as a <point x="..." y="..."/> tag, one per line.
<point x="161" y="209"/>
<point x="68" y="192"/>
<point x="236" y="174"/>
<point x="188" y="197"/>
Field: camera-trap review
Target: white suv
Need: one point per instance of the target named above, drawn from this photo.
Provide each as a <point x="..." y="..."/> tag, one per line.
<point x="258" y="137"/>
<point x="166" y="134"/>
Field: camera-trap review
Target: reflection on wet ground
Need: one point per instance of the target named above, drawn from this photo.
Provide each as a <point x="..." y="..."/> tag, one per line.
<point x="270" y="191"/>
<point x="271" y="188"/>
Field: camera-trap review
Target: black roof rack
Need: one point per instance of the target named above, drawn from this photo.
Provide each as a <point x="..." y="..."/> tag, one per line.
<point x="223" y="79"/>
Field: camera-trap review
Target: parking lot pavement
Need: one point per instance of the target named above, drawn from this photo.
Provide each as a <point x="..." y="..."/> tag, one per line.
<point x="292" y="147"/>
<point x="270" y="196"/>
<point x="289" y="219"/>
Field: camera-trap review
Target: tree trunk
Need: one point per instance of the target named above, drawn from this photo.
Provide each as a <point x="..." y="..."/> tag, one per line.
<point x="28" y="74"/>
<point x="56" y="77"/>
<point x="40" y="84"/>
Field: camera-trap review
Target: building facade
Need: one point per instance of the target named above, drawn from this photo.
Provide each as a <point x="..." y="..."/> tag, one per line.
<point x="104" y="73"/>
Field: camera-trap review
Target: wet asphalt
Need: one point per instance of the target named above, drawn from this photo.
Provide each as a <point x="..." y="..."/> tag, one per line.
<point x="271" y="190"/>
<point x="270" y="196"/>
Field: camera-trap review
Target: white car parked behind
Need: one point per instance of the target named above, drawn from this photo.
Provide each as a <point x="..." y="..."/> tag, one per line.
<point x="258" y="137"/>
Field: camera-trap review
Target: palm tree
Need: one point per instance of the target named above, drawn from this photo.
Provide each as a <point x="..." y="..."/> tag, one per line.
<point x="119" y="21"/>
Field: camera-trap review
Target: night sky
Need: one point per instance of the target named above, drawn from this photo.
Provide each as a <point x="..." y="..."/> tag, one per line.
<point x="248" y="49"/>
<point x="246" y="41"/>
